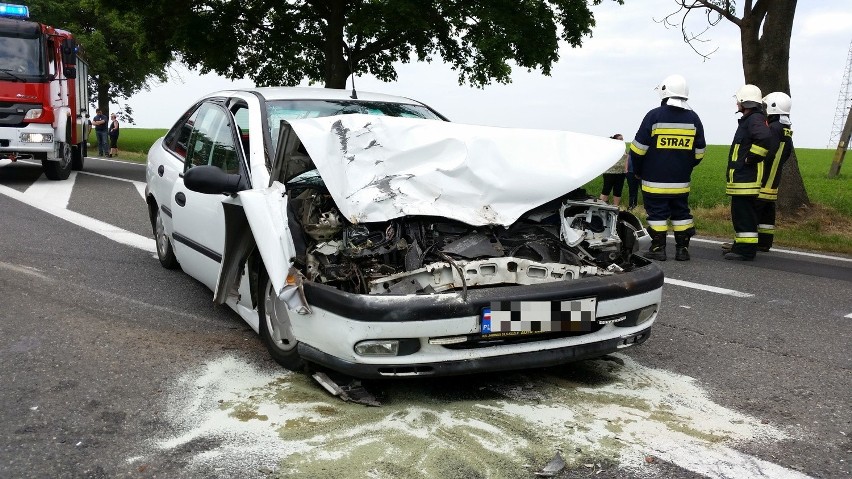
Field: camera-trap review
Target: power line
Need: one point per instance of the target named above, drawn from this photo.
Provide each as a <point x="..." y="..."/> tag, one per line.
<point x="844" y="102"/>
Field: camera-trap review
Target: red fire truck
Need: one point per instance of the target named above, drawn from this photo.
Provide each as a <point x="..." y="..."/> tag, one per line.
<point x="44" y="94"/>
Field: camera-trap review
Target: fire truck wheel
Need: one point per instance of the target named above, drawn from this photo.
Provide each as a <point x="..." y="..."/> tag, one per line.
<point x="58" y="169"/>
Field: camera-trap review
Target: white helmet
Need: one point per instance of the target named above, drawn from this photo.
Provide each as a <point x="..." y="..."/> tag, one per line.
<point x="778" y="103"/>
<point x="673" y="86"/>
<point x="749" y="96"/>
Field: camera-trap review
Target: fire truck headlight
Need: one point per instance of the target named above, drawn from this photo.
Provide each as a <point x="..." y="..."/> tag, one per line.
<point x="36" y="137"/>
<point x="33" y="114"/>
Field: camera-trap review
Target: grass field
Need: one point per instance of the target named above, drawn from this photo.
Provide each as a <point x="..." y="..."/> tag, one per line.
<point x="826" y="226"/>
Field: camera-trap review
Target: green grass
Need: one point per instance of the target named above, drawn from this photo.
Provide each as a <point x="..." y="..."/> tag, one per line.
<point x="826" y="226"/>
<point x="133" y="143"/>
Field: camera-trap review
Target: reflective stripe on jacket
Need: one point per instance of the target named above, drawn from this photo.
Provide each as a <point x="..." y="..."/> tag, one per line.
<point x="668" y="145"/>
<point x="783" y="136"/>
<point x="753" y="143"/>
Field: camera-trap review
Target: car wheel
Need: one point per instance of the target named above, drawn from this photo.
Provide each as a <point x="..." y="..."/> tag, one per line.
<point x="275" y="328"/>
<point x="164" y="245"/>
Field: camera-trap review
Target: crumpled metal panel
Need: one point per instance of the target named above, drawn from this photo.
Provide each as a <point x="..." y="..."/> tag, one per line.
<point x="379" y="168"/>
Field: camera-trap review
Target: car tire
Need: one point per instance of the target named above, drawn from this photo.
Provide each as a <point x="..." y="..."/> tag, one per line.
<point x="275" y="328"/>
<point x="165" y="253"/>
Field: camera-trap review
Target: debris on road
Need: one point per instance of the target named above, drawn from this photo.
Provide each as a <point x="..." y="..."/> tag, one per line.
<point x="352" y="392"/>
<point x="553" y="467"/>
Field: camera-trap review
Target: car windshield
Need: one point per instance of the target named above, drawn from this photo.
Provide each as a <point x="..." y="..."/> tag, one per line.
<point x="278" y="110"/>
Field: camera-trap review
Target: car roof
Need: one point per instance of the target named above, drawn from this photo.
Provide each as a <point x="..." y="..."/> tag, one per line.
<point x="309" y="93"/>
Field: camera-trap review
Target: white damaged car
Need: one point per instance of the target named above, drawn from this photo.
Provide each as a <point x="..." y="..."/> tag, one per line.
<point x="372" y="236"/>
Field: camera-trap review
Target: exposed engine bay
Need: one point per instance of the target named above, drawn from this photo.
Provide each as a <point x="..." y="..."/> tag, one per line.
<point x="569" y="238"/>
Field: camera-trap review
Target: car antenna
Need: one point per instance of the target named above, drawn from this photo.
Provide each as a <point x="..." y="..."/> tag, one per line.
<point x="354" y="95"/>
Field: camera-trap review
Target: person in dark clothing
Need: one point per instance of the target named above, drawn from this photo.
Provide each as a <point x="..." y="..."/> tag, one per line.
<point x="778" y="105"/>
<point x="669" y="144"/>
<point x="613" y="178"/>
<point x="101" y="131"/>
<point x="113" y="136"/>
<point x="632" y="186"/>
<point x="753" y="144"/>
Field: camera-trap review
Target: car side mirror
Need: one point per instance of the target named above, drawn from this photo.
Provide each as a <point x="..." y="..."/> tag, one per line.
<point x="211" y="180"/>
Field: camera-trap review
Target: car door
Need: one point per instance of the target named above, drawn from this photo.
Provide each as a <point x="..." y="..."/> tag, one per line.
<point x="197" y="219"/>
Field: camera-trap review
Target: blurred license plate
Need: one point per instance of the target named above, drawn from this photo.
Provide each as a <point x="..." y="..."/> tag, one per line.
<point x="512" y="318"/>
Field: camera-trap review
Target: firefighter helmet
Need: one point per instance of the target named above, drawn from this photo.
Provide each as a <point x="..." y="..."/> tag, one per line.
<point x="749" y="96"/>
<point x="778" y="103"/>
<point x="673" y="86"/>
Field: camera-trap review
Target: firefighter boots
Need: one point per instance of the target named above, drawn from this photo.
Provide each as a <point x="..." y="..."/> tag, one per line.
<point x="657" y="250"/>
<point x="682" y="246"/>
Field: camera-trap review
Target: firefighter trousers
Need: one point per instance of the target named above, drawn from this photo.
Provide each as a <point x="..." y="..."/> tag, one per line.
<point x="744" y="218"/>
<point x="662" y="208"/>
<point x="765" y="211"/>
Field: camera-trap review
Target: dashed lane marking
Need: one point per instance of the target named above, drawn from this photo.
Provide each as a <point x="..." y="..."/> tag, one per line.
<point x="705" y="287"/>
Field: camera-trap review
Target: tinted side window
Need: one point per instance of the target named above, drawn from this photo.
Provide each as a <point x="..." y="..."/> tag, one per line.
<point x="177" y="137"/>
<point x="211" y="141"/>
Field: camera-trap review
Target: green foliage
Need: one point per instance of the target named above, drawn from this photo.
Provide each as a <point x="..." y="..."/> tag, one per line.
<point x="114" y="43"/>
<point x="283" y="43"/>
<point x="132" y="140"/>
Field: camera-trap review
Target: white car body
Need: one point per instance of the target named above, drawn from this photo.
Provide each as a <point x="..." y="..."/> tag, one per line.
<point x="337" y="292"/>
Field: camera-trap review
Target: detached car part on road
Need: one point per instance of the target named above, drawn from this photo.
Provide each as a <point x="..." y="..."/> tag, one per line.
<point x="375" y="238"/>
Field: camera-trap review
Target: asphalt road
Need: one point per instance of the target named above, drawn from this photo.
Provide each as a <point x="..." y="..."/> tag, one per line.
<point x="94" y="336"/>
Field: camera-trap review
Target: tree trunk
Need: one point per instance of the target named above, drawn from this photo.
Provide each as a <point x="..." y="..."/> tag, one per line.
<point x="336" y="68"/>
<point x="103" y="96"/>
<point x="791" y="190"/>
<point x="766" y="63"/>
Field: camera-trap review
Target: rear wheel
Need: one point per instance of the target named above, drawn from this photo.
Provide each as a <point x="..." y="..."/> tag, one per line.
<point x="275" y="328"/>
<point x="164" y="245"/>
<point x="77" y="157"/>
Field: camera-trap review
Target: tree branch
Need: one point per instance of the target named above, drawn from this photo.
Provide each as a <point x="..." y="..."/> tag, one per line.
<point x="721" y="11"/>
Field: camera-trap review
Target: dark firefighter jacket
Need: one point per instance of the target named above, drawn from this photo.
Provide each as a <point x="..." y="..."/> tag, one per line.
<point x="753" y="143"/>
<point x="668" y="145"/>
<point x="783" y="136"/>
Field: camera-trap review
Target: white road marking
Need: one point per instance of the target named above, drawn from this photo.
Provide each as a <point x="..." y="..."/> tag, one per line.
<point x="705" y="287"/>
<point x="785" y="251"/>
<point x="848" y="315"/>
<point x="139" y="185"/>
<point x="115" y="161"/>
<point x="107" y="230"/>
<point x="54" y="193"/>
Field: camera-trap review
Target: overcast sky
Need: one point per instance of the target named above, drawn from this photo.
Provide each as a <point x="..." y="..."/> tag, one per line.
<point x="605" y="87"/>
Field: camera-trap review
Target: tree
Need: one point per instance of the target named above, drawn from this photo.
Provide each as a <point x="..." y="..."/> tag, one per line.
<point x="278" y="42"/>
<point x="114" y="43"/>
<point x="765" y="30"/>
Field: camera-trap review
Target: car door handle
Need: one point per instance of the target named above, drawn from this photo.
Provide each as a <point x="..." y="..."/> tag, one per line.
<point x="180" y="199"/>
<point x="161" y="170"/>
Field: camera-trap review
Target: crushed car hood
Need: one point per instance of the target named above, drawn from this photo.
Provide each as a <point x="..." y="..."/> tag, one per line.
<point x="377" y="168"/>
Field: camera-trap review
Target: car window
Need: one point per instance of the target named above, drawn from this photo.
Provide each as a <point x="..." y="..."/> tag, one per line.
<point x="177" y="137"/>
<point x="211" y="141"/>
<point x="241" y="117"/>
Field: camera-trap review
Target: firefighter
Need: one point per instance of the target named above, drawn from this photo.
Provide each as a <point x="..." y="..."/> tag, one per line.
<point x="778" y="105"/>
<point x="753" y="143"/>
<point x="669" y="144"/>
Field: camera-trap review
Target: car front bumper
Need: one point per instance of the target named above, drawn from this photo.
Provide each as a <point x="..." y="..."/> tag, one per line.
<point x="340" y="320"/>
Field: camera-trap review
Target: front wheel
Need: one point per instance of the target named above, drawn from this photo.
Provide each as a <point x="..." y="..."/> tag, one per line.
<point x="275" y="328"/>
<point x="59" y="169"/>
<point x="164" y="245"/>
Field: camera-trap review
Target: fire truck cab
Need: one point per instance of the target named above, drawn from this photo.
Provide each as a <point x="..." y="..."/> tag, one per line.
<point x="44" y="94"/>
